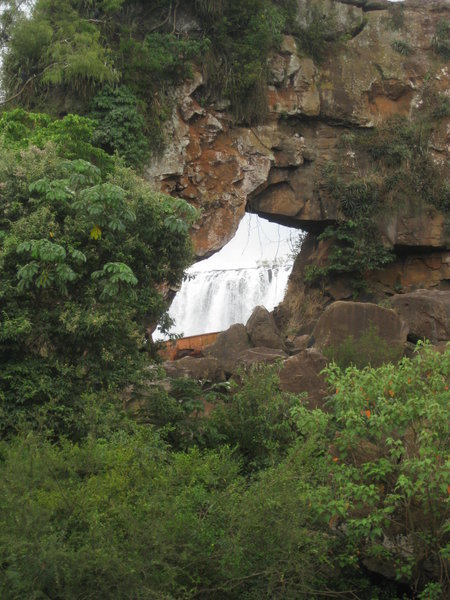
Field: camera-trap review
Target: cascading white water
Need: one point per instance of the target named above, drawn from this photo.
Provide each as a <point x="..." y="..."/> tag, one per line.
<point x="214" y="300"/>
<point x="251" y="270"/>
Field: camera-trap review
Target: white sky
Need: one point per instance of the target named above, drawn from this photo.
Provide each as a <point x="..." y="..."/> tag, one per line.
<point x="256" y="239"/>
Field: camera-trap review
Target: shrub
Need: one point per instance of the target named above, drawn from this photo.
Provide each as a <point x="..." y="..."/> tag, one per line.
<point x="392" y="473"/>
<point x="356" y="250"/>
<point x="255" y="418"/>
<point x="440" y="42"/>
<point x="119" y="125"/>
<point x="113" y="517"/>
<point x="119" y="513"/>
<point x="367" y="350"/>
<point x="402" y="47"/>
<point x="236" y="67"/>
<point x="56" y="46"/>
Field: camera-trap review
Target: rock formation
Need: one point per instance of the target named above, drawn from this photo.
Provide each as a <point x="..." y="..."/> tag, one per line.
<point x="381" y="62"/>
<point x="315" y="164"/>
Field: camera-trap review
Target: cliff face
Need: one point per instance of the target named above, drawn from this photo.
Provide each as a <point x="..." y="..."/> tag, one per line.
<point x="382" y="62"/>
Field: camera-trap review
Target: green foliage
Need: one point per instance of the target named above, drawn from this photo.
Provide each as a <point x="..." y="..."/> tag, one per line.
<point x="83" y="254"/>
<point x="67" y="52"/>
<point x="72" y="136"/>
<point x="119" y="513"/>
<point x="441" y="39"/>
<point x="237" y="64"/>
<point x="441" y="107"/>
<point x="115" y="517"/>
<point x="252" y="416"/>
<point x="56" y="47"/>
<point x="158" y="60"/>
<point x="255" y="419"/>
<point x="357" y="249"/>
<point x="392" y="470"/>
<point x="178" y="414"/>
<point x="120" y="127"/>
<point x="401" y="149"/>
<point x="402" y="47"/>
<point x="367" y="350"/>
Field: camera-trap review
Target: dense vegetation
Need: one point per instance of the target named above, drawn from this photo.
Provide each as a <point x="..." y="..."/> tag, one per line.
<point x="85" y="247"/>
<point x="117" y="60"/>
<point x="397" y="173"/>
<point x="265" y="500"/>
<point x="261" y="499"/>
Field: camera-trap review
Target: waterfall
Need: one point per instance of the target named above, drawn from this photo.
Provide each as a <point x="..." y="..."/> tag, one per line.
<point x="214" y="300"/>
<point x="251" y="270"/>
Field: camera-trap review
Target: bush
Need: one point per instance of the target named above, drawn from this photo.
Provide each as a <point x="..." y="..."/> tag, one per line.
<point x="119" y="125"/>
<point x="255" y="419"/>
<point x="402" y="47"/>
<point x="392" y="472"/>
<point x="440" y="42"/>
<point x="115" y="518"/>
<point x="356" y="250"/>
<point x="119" y="513"/>
<point x="242" y="38"/>
<point x="367" y="350"/>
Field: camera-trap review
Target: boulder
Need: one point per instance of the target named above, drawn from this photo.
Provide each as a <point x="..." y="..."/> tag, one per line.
<point x="342" y="320"/>
<point x="206" y="368"/>
<point x="426" y="313"/>
<point x="345" y="18"/>
<point x="299" y="343"/>
<point x="301" y="373"/>
<point x="267" y="356"/>
<point x="228" y="346"/>
<point x="262" y="329"/>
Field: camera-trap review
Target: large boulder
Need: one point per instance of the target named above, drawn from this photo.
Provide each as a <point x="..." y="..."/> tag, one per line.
<point x="301" y="373"/>
<point x="262" y="329"/>
<point x="344" y="19"/>
<point x="228" y="346"/>
<point x="426" y="313"/>
<point x="267" y="356"/>
<point x="205" y="368"/>
<point x="343" y="320"/>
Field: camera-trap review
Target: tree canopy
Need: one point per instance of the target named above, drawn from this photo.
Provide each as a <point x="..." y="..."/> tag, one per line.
<point x="85" y="250"/>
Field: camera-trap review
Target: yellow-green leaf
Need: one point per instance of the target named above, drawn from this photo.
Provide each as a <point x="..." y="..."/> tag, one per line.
<point x="96" y="232"/>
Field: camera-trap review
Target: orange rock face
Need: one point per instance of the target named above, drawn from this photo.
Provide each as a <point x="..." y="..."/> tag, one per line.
<point x="276" y="169"/>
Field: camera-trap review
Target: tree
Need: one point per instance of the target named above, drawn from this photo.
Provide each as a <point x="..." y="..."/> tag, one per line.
<point x="84" y="254"/>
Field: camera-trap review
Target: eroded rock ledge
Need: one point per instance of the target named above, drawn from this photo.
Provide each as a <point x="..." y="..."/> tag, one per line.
<point x="277" y="169"/>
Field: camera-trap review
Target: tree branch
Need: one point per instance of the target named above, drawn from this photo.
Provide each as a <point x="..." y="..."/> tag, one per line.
<point x="29" y="80"/>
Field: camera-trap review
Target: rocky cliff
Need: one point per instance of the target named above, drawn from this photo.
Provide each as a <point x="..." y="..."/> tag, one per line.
<point x="354" y="150"/>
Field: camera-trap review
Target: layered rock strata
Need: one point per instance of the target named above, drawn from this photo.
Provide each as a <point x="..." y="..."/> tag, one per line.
<point x="381" y="62"/>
